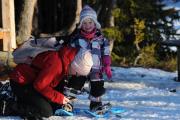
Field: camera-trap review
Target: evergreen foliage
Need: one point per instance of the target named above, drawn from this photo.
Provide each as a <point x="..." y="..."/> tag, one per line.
<point x="142" y="25"/>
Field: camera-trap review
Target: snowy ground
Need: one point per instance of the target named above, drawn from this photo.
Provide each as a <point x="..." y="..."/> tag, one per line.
<point x="144" y="93"/>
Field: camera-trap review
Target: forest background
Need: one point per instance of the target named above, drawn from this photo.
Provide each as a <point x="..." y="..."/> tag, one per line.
<point x="135" y="28"/>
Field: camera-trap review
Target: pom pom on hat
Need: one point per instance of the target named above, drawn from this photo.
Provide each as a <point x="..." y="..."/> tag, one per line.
<point x="82" y="63"/>
<point x="88" y="12"/>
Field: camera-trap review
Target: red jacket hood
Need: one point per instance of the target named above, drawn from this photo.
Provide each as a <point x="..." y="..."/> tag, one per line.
<point x="67" y="54"/>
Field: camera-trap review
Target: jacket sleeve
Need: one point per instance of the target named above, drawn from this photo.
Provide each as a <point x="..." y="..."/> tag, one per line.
<point x="106" y="47"/>
<point x="23" y="74"/>
<point x="52" y="68"/>
<point x="106" y="58"/>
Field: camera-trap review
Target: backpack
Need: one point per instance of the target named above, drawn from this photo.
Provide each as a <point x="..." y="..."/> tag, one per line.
<point x="32" y="47"/>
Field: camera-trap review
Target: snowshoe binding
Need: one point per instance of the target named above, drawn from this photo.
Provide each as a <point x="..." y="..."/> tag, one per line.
<point x="101" y="108"/>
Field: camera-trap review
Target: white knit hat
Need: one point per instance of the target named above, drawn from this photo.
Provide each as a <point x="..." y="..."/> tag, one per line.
<point x="88" y="12"/>
<point x="82" y="63"/>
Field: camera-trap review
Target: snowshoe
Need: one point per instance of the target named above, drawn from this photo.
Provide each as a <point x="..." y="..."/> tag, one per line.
<point x="97" y="109"/>
<point x="101" y="109"/>
<point x="105" y="110"/>
<point x="68" y="107"/>
<point x="65" y="110"/>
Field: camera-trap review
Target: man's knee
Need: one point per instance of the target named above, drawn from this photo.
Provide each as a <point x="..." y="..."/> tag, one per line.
<point x="77" y="82"/>
<point x="46" y="113"/>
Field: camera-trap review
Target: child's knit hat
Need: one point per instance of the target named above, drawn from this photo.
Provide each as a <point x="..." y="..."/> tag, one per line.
<point x="82" y="63"/>
<point x="88" y="12"/>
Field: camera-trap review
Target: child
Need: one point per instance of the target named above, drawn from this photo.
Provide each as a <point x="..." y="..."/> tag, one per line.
<point x="89" y="37"/>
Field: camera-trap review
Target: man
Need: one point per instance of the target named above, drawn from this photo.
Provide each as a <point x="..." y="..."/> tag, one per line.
<point x="39" y="87"/>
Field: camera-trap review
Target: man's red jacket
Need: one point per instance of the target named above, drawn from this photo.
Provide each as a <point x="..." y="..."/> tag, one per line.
<point x="45" y="72"/>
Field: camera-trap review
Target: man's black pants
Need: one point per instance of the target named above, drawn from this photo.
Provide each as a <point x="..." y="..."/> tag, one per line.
<point x="31" y="103"/>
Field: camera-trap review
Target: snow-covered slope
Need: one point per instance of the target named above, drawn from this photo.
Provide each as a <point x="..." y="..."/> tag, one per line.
<point x="144" y="93"/>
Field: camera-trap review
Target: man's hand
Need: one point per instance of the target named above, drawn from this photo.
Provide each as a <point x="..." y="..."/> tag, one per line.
<point x="65" y="100"/>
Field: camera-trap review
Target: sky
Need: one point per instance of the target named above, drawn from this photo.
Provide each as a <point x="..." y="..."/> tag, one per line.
<point x="173" y="4"/>
<point x="144" y="94"/>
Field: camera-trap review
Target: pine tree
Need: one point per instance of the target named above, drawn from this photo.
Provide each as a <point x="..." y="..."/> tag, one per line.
<point x="157" y="25"/>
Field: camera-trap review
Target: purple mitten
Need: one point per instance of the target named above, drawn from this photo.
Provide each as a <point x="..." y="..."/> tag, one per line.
<point x="108" y="72"/>
<point x="107" y="67"/>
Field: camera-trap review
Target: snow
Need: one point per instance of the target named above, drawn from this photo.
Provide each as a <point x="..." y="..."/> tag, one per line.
<point x="144" y="94"/>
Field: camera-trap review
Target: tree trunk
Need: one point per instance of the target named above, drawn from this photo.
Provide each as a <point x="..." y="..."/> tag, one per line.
<point x="35" y="26"/>
<point x="138" y="58"/>
<point x="77" y="17"/>
<point x="109" y="22"/>
<point x="103" y="12"/>
<point x="25" y="23"/>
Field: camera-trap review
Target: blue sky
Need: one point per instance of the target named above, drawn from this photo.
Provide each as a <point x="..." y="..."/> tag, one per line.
<point x="172" y="4"/>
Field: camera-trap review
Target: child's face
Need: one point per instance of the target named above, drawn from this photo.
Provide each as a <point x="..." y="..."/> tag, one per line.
<point x="88" y="25"/>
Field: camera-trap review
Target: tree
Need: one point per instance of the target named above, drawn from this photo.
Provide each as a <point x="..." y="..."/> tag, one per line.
<point x="109" y="22"/>
<point x="25" y="23"/>
<point x="77" y="18"/>
<point x="139" y="37"/>
<point x="158" y="23"/>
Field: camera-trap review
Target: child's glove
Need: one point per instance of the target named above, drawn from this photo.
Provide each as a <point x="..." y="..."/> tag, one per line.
<point x="107" y="70"/>
<point x="107" y="67"/>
